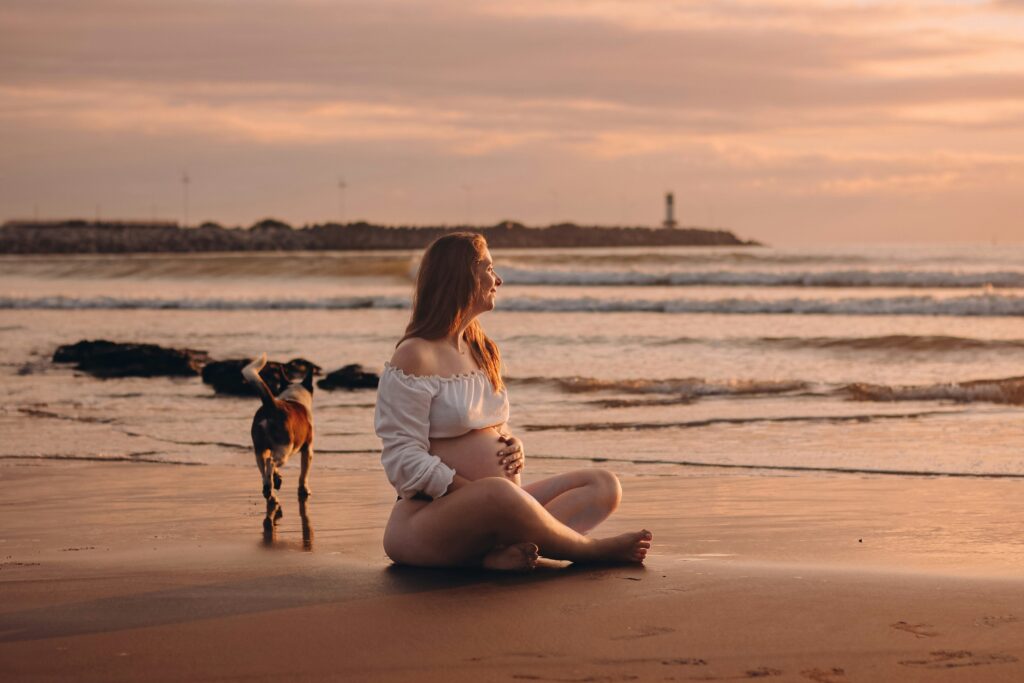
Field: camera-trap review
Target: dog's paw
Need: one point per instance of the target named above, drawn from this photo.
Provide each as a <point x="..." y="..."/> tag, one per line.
<point x="277" y="481"/>
<point x="304" y="493"/>
<point x="266" y="490"/>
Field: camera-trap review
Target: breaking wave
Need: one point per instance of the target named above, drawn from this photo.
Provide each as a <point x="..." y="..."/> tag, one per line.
<point x="790" y="468"/>
<point x="974" y="305"/>
<point x="710" y="422"/>
<point x="729" y="278"/>
<point x="1007" y="391"/>
<point x="653" y="392"/>
<point x="894" y="342"/>
<point x="214" y="304"/>
<point x="691" y="387"/>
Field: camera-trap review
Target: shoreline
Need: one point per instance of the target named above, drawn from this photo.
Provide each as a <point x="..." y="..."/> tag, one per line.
<point x="114" y="572"/>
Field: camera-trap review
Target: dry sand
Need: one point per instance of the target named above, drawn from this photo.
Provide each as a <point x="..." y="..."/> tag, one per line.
<point x="131" y="572"/>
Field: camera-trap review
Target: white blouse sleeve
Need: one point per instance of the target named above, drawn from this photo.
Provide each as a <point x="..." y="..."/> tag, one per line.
<point x="402" y="422"/>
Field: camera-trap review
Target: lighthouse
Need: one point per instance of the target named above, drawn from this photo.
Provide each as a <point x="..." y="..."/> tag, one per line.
<point x="670" y="218"/>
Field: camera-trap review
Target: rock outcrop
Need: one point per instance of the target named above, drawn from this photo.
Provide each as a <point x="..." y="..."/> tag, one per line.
<point x="103" y="358"/>
<point x="350" y="377"/>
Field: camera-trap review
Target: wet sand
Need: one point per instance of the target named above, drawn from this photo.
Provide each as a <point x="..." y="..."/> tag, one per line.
<point x="126" y="572"/>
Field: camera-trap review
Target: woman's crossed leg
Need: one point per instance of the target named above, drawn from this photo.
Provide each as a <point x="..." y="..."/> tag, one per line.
<point x="580" y="499"/>
<point x="493" y="523"/>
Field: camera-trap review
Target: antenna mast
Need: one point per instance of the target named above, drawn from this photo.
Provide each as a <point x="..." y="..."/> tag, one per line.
<point x="341" y="200"/>
<point x="184" y="197"/>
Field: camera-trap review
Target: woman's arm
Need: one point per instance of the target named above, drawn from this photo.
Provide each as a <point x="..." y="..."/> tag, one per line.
<point x="513" y="456"/>
<point x="402" y="421"/>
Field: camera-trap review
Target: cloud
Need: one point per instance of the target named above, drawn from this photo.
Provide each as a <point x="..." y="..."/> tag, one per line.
<point x="430" y="52"/>
<point x="809" y="98"/>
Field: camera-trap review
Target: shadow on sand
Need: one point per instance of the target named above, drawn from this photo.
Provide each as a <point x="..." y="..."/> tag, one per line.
<point x="274" y="515"/>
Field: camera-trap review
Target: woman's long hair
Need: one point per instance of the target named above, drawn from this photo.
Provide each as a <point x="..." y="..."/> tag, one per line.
<point x="445" y="288"/>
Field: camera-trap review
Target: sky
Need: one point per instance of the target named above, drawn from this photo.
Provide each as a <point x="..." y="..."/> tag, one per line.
<point x="790" y="122"/>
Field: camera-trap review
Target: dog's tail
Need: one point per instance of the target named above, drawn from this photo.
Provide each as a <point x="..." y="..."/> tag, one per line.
<point x="251" y="372"/>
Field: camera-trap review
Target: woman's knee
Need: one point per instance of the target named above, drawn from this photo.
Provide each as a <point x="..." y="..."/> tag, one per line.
<point x="607" y="487"/>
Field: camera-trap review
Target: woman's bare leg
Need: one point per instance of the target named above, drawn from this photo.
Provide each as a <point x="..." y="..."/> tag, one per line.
<point x="581" y="499"/>
<point x="465" y="526"/>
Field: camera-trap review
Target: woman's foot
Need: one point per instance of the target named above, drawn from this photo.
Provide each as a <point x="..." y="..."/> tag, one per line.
<point x="518" y="557"/>
<point x="626" y="548"/>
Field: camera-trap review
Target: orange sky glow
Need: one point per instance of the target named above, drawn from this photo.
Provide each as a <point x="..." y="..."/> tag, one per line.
<point x="791" y="122"/>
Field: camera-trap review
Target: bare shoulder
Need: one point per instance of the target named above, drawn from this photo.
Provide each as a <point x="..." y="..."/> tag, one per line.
<point x="416" y="356"/>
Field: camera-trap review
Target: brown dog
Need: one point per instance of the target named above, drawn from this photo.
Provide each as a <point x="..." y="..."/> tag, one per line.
<point x="281" y="426"/>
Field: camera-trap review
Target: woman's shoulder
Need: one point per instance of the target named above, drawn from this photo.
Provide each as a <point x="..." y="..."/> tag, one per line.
<point x="416" y="356"/>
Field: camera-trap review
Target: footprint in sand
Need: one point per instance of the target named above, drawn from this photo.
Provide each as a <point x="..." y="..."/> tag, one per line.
<point x="763" y="672"/>
<point x="993" y="621"/>
<point x="511" y="655"/>
<point x="759" y="672"/>
<point x="674" y="661"/>
<point x="833" y="675"/>
<point x="953" y="659"/>
<point x="646" y="632"/>
<point x="919" y="630"/>
<point x="684" y="661"/>
<point x="583" y="679"/>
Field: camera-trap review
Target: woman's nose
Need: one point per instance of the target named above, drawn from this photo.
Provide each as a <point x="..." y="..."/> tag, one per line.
<point x="498" y="280"/>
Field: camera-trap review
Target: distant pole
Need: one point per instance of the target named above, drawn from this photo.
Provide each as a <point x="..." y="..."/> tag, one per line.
<point x="341" y="200"/>
<point x="469" y="203"/>
<point x="184" y="197"/>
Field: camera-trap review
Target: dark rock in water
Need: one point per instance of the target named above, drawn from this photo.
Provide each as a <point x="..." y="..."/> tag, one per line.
<point x="104" y="358"/>
<point x="350" y="377"/>
<point x="225" y="376"/>
<point x="73" y="353"/>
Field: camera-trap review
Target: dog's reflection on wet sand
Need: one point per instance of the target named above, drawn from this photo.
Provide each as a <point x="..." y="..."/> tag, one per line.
<point x="274" y="515"/>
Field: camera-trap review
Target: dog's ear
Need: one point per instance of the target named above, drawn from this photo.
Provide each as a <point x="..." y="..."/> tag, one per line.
<point x="307" y="381"/>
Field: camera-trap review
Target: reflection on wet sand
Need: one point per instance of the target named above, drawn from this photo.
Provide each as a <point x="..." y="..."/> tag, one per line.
<point x="274" y="515"/>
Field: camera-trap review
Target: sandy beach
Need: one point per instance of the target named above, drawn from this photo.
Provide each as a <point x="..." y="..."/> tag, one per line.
<point x="123" y="572"/>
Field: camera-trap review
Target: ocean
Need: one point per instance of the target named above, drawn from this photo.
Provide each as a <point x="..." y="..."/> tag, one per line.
<point x="840" y="361"/>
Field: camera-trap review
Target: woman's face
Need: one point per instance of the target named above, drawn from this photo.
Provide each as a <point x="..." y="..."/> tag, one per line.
<point x="487" y="283"/>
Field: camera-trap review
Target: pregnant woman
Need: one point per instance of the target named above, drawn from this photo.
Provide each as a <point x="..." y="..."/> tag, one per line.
<point x="442" y="410"/>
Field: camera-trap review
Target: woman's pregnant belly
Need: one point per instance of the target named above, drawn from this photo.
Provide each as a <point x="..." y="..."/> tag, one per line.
<point x="473" y="455"/>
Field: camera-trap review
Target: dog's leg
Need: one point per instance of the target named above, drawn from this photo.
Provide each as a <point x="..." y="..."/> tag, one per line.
<point x="277" y="479"/>
<point x="270" y="521"/>
<point x="307" y="526"/>
<point x="307" y="460"/>
<point x="266" y="466"/>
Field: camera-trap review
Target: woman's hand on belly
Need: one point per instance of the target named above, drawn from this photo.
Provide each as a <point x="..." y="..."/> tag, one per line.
<point x="513" y="456"/>
<point x="478" y="454"/>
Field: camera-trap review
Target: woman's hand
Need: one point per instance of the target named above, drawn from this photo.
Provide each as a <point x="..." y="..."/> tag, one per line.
<point x="513" y="457"/>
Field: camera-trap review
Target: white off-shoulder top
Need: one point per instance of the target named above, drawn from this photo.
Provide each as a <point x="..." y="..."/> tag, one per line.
<point x="412" y="409"/>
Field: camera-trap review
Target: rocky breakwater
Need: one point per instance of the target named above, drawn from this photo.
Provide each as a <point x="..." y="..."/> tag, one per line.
<point x="108" y="359"/>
